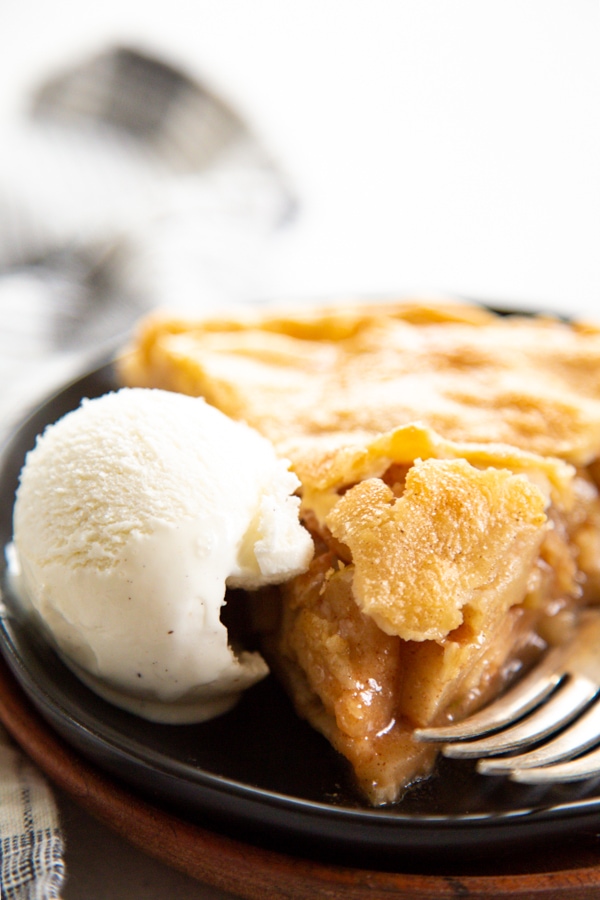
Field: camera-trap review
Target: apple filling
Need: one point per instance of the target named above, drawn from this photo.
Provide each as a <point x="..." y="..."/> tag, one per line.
<point x="431" y="587"/>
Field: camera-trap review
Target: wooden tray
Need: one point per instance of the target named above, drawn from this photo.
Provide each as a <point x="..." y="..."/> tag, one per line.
<point x="260" y="874"/>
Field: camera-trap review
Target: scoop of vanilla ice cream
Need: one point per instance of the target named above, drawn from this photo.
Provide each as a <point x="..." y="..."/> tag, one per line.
<point x="133" y="514"/>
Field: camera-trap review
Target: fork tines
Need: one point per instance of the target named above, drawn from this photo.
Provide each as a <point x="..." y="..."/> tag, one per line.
<point x="554" y="710"/>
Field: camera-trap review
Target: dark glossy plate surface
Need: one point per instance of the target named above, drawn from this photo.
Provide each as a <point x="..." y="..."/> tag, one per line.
<point x="259" y="773"/>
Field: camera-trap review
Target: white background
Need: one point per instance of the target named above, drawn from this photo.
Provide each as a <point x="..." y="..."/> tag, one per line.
<point x="450" y="146"/>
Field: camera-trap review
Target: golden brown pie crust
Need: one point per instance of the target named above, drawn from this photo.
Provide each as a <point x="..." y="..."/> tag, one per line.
<point x="448" y="461"/>
<point x="470" y="375"/>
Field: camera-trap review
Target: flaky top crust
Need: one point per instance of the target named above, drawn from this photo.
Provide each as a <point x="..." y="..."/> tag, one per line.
<point x="317" y="379"/>
<point x="454" y="539"/>
<point x="485" y="415"/>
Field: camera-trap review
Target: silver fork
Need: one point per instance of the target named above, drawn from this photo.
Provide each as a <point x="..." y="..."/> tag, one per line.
<point x="555" y="708"/>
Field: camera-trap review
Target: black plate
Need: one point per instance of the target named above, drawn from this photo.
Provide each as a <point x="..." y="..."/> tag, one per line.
<point x="259" y="773"/>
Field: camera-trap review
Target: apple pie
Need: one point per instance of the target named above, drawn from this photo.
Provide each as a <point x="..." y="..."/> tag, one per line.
<point x="449" y="463"/>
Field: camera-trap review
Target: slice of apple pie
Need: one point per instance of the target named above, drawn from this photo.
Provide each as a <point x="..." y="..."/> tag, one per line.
<point x="449" y="465"/>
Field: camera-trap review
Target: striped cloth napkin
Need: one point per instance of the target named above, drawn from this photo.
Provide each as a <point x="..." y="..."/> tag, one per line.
<point x="31" y="847"/>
